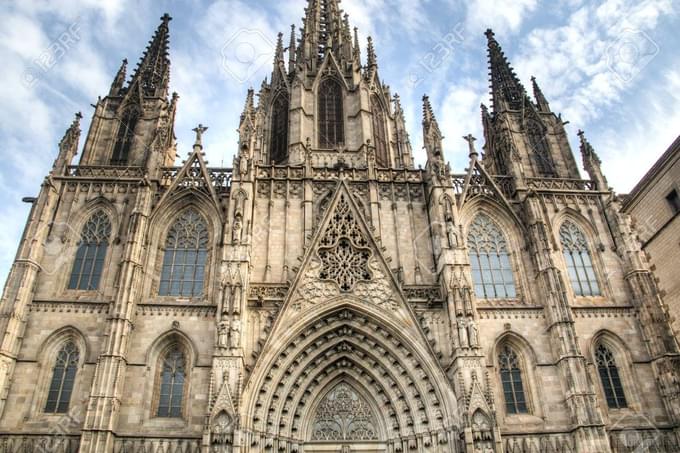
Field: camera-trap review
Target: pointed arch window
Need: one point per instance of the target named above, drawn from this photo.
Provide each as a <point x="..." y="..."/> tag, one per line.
<point x="511" y="381"/>
<point x="63" y="378"/>
<point x="579" y="261"/>
<point x="91" y="253"/>
<point x="125" y="137"/>
<point x="609" y="376"/>
<point x="381" y="152"/>
<point x="172" y="383"/>
<point x="490" y="260"/>
<point x="538" y="141"/>
<point x="279" y="129"/>
<point x="186" y="252"/>
<point x="331" y="117"/>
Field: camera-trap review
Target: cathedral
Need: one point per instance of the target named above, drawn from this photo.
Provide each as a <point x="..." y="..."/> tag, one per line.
<point x="324" y="294"/>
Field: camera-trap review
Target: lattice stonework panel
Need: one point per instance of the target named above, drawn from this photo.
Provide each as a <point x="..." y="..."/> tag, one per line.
<point x="344" y="415"/>
<point x="343" y="249"/>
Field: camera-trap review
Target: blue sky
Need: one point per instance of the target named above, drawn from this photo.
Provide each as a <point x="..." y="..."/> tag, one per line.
<point x="610" y="67"/>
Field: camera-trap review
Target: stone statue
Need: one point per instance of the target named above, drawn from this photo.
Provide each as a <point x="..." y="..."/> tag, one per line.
<point x="235" y="334"/>
<point x="236" y="229"/>
<point x="451" y="233"/>
<point x="473" y="334"/>
<point x="223" y="334"/>
<point x="462" y="333"/>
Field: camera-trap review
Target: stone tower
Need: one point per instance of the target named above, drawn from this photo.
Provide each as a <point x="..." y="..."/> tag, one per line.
<point x="323" y="294"/>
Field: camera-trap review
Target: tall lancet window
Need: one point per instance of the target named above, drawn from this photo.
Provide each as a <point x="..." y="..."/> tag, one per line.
<point x="579" y="261"/>
<point x="381" y="152"/>
<point x="609" y="375"/>
<point x="511" y="380"/>
<point x="331" y="117"/>
<point x="91" y="253"/>
<point x="63" y="378"/>
<point x="172" y="383"/>
<point x="279" y="129"/>
<point x="490" y="260"/>
<point x="540" y="150"/>
<point x="186" y="251"/>
<point x="125" y="137"/>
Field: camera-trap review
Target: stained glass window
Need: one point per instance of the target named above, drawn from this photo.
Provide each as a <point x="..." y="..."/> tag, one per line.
<point x="63" y="378"/>
<point x="91" y="253"/>
<point x="172" y="380"/>
<point x="279" y="129"/>
<point x="490" y="260"/>
<point x="578" y="259"/>
<point x="609" y="375"/>
<point x="331" y="119"/>
<point x="511" y="380"/>
<point x="185" y="256"/>
<point x="343" y="415"/>
<point x="381" y="153"/>
<point x="125" y="137"/>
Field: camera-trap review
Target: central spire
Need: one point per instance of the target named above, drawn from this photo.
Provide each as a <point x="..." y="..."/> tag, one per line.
<point x="325" y="31"/>
<point x="153" y="71"/>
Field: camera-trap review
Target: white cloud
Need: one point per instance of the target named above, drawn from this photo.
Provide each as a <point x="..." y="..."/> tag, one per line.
<point x="504" y="16"/>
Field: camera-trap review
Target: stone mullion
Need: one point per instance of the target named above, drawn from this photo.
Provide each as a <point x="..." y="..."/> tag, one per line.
<point x="581" y="399"/>
<point x="107" y="387"/>
<point x="20" y="286"/>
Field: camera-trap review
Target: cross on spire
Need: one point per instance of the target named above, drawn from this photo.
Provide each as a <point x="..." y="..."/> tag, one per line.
<point x="200" y="129"/>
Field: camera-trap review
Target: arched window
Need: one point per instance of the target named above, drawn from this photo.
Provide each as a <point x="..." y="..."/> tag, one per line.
<point x="63" y="377"/>
<point x="331" y="118"/>
<point x="511" y="380"/>
<point x="279" y="129"/>
<point x="171" y="383"/>
<point x="125" y="137"/>
<point x="579" y="262"/>
<point x="538" y="141"/>
<point x="490" y="260"/>
<point x="89" y="262"/>
<point x="609" y="376"/>
<point x="381" y="153"/>
<point x="185" y="255"/>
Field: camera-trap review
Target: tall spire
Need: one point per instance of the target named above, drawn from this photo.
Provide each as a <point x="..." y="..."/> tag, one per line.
<point x="68" y="146"/>
<point x="153" y="71"/>
<point x="429" y="121"/>
<point x="357" y="48"/>
<point x="119" y="80"/>
<point x="249" y="106"/>
<point x="325" y="31"/>
<point x="541" y="102"/>
<point x="372" y="59"/>
<point x="506" y="90"/>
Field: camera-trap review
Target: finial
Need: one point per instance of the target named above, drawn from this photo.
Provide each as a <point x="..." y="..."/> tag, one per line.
<point x="200" y="129"/>
<point x="471" y="144"/>
<point x="372" y="60"/>
<point x="166" y="18"/>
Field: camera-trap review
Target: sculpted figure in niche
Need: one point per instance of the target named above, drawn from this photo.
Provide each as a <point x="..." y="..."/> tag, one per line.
<point x="235" y="333"/>
<point x="462" y="333"/>
<point x="236" y="229"/>
<point x="451" y="232"/>
<point x="473" y="334"/>
<point x="223" y="334"/>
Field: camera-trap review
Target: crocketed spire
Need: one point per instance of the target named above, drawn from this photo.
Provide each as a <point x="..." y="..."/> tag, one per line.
<point x="506" y="90"/>
<point x="152" y="74"/>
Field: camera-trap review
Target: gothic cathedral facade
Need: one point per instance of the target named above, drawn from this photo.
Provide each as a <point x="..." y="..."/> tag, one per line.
<point x="323" y="294"/>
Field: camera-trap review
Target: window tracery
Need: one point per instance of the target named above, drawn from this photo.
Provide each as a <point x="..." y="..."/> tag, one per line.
<point x="579" y="262"/>
<point x="172" y="382"/>
<point x="343" y="250"/>
<point x="125" y="137"/>
<point x="91" y="253"/>
<point x="186" y="251"/>
<point x="381" y="153"/>
<point x="490" y="260"/>
<point x="279" y="129"/>
<point x="343" y="415"/>
<point x="609" y="376"/>
<point x="511" y="380"/>
<point x="331" y="117"/>
<point x="63" y="378"/>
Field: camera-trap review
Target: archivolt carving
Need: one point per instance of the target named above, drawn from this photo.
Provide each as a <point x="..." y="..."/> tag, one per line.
<point x="345" y="344"/>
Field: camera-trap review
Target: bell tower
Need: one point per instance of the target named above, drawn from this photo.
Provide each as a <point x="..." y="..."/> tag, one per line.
<point x="132" y="125"/>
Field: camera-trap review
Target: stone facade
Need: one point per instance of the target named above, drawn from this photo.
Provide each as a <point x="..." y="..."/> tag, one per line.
<point x="654" y="206"/>
<point x="323" y="294"/>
